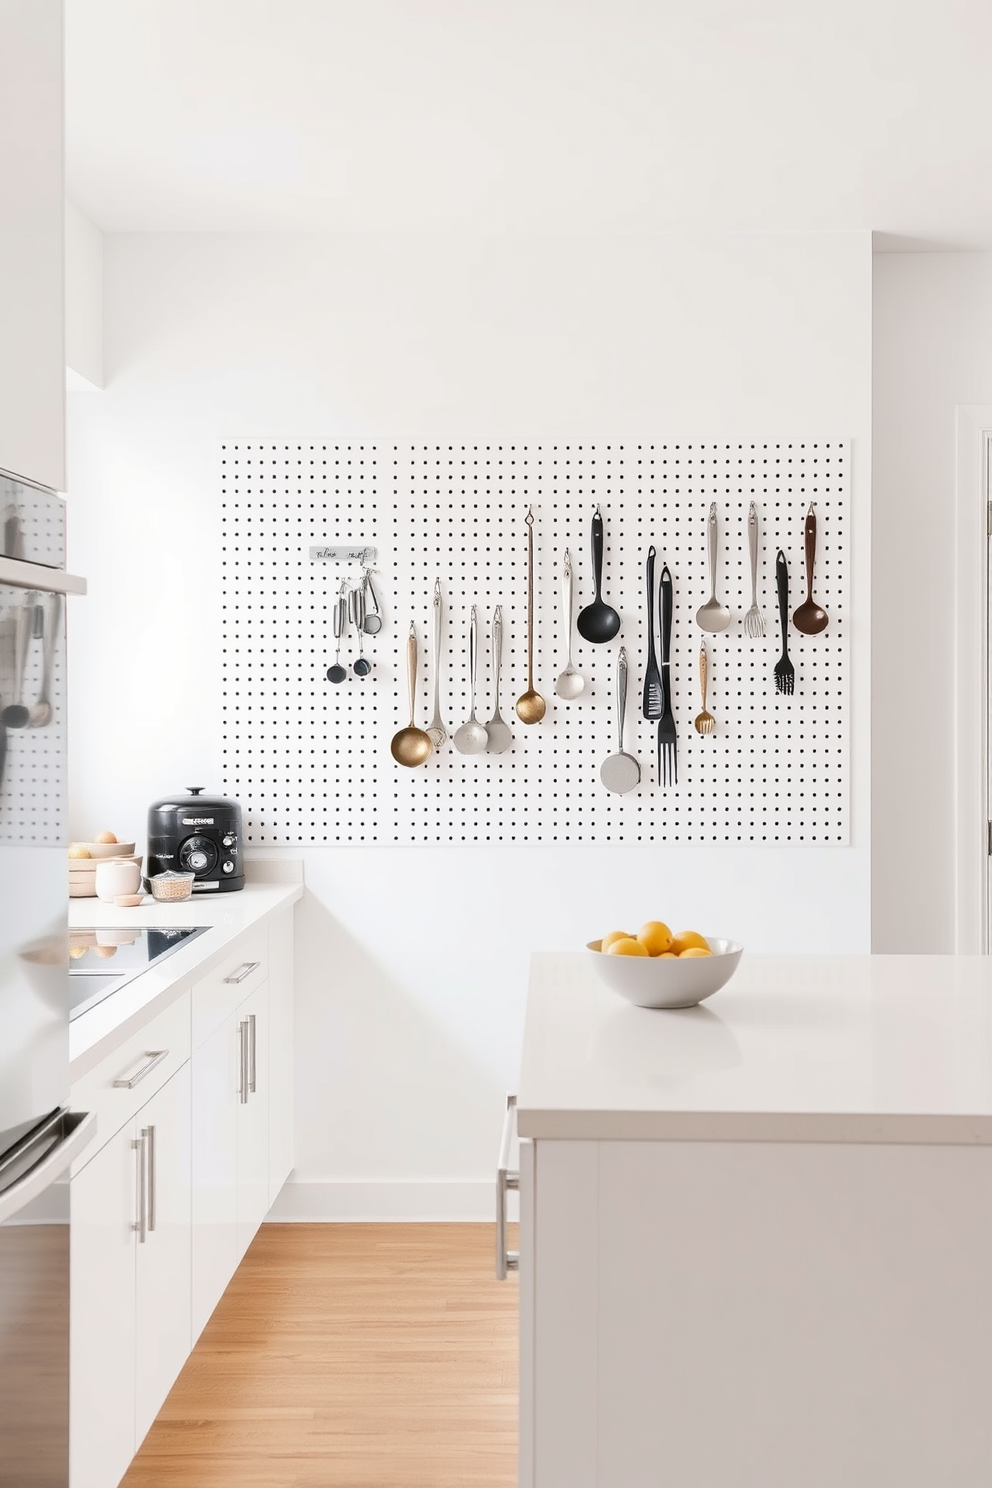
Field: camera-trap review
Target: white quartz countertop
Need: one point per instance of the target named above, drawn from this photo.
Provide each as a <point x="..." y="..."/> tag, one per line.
<point x="794" y="1048"/>
<point x="227" y="915"/>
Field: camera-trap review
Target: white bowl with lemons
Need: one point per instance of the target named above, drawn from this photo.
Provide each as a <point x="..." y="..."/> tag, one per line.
<point x="662" y="969"/>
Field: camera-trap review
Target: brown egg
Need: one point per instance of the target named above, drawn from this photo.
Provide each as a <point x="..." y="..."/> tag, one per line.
<point x="105" y="837"/>
<point x="105" y="951"/>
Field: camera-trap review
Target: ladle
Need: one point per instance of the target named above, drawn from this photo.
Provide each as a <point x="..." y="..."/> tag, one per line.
<point x="809" y="618"/>
<point x="473" y="736"/>
<point x="621" y="772"/>
<point x="337" y="673"/>
<point x="500" y="737"/>
<point x="598" y="622"/>
<point x="47" y="624"/>
<point x="712" y="616"/>
<point x="571" y="684"/>
<point x="531" y="706"/>
<point x="16" y="715"/>
<point x="411" y="746"/>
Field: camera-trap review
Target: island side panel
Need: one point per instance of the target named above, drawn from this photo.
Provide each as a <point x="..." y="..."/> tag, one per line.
<point x="797" y="1313"/>
<point x="565" y="1344"/>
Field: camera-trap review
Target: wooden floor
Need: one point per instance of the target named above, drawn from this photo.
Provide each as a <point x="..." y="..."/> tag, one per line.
<point x="349" y="1356"/>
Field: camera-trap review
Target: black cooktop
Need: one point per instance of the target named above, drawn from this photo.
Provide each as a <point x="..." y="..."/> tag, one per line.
<point x="103" y="961"/>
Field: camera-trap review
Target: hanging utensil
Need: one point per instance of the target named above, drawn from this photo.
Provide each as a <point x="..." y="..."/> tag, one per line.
<point x="372" y="623"/>
<point x="571" y="684"/>
<point x="754" y="621"/>
<point x="713" y="616"/>
<point x="653" y="697"/>
<point x="436" y="729"/>
<point x="668" y="741"/>
<point x="810" y="619"/>
<point x="598" y="622"/>
<point x="500" y="737"/>
<point x="337" y="673"/>
<point x="472" y="737"/>
<point x="621" y="772"/>
<point x="531" y="706"/>
<point x="411" y="746"/>
<point x="48" y="619"/>
<point x="704" y="722"/>
<point x="15" y="715"/>
<point x="361" y="666"/>
<point x="785" y="672"/>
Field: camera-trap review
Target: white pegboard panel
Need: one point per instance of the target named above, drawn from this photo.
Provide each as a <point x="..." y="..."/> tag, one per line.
<point x="32" y="738"/>
<point x="310" y="761"/>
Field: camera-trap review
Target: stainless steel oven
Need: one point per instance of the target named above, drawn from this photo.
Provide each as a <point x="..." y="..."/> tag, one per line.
<point x="39" y="1138"/>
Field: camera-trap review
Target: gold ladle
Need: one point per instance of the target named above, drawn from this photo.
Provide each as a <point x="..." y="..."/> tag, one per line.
<point x="411" y="746"/>
<point x="531" y="706"/>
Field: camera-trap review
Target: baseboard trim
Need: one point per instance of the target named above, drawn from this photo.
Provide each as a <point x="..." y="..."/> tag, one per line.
<point x="330" y="1203"/>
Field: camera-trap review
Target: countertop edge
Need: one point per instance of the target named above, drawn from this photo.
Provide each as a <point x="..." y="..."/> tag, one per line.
<point x="748" y="1126"/>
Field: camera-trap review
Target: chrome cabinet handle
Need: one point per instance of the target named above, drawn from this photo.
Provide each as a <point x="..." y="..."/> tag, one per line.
<point x="154" y="1057"/>
<point x="244" y="970"/>
<point x="149" y="1132"/>
<point x="243" y="1062"/>
<point x="141" y="1178"/>
<point x="507" y="1181"/>
<point x="251" y="1054"/>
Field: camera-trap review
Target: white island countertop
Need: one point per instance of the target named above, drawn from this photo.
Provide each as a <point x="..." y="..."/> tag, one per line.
<point x="793" y="1049"/>
<point x="226" y="915"/>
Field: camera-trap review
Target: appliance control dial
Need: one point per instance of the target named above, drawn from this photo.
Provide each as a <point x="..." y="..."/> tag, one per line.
<point x="198" y="860"/>
<point x="198" y="854"/>
<point x="227" y="841"/>
<point x="228" y="866"/>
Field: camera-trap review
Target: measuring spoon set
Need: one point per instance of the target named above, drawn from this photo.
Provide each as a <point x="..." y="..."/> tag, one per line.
<point x="351" y="608"/>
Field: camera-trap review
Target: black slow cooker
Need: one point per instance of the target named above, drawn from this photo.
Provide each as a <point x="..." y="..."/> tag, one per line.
<point x="197" y="834"/>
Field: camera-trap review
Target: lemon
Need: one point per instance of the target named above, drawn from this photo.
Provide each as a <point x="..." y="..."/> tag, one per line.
<point x="607" y="940"/>
<point x="656" y="936"/>
<point x="687" y="938"/>
<point x="693" y="952"/>
<point x="627" y="947"/>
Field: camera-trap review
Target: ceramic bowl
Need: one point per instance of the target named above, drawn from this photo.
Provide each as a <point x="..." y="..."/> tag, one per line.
<point x="104" y="850"/>
<point x="649" y="981"/>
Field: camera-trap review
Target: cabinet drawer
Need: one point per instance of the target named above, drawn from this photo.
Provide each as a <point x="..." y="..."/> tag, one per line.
<point x="140" y="1065"/>
<point x="244" y="967"/>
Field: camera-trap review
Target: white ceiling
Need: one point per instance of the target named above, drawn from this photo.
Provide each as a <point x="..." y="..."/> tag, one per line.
<point x="358" y="116"/>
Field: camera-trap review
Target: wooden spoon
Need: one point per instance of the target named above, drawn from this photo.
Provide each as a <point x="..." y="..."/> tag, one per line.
<point x="809" y="618"/>
<point x="411" y="746"/>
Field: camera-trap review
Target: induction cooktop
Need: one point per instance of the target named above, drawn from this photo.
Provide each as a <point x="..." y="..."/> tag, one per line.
<point x="103" y="961"/>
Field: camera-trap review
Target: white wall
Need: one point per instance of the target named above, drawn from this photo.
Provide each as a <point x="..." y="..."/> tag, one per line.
<point x="932" y="354"/>
<point x="412" y="962"/>
<point x="83" y="301"/>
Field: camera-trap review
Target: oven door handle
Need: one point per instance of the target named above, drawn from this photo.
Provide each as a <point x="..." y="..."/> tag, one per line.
<point x="80" y="1128"/>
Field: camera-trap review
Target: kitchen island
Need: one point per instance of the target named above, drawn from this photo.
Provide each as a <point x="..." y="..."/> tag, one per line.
<point x="756" y="1235"/>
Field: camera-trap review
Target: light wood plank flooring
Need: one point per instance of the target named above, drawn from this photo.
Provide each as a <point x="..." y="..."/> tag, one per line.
<point x="349" y="1356"/>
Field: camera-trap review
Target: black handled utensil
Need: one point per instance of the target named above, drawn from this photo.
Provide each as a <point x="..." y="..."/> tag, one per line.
<point x="653" y="697"/>
<point x="668" y="757"/>
<point x="785" y="672"/>
<point x="598" y="622"/>
<point x="337" y="673"/>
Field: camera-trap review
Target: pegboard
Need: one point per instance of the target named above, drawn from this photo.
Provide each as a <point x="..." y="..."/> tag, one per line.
<point x="32" y="749"/>
<point x="310" y="761"/>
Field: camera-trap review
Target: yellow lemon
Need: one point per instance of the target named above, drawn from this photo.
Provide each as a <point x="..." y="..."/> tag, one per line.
<point x="608" y="940"/>
<point x="687" y="938"/>
<point x="656" y="936"/>
<point x="78" y="851"/>
<point x="627" y="947"/>
<point x="694" y="951"/>
<point x="666" y="956"/>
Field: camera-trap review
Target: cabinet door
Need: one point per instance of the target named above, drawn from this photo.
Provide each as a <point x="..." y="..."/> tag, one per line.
<point x="253" y="1120"/>
<point x="215" y="1071"/>
<point x="103" y="1200"/>
<point x="281" y="1051"/>
<point x="162" y="1269"/>
<point x="32" y="367"/>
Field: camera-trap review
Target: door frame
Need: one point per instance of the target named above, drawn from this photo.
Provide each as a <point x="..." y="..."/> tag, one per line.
<point x="972" y="704"/>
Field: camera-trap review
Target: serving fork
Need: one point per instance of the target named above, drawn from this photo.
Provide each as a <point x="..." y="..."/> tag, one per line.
<point x="754" y="621"/>
<point x="785" y="672"/>
<point x="668" y="757"/>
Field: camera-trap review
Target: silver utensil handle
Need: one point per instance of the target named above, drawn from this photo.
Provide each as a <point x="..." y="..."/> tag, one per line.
<point x="711" y="534"/>
<point x="473" y="651"/>
<point x="149" y="1132"/>
<point x="243" y="1062"/>
<point x="752" y="548"/>
<point x="567" y="600"/>
<point x="140" y="1224"/>
<point x="437" y="644"/>
<point x="244" y="970"/>
<point x="154" y="1057"/>
<point x="497" y="645"/>
<point x="621" y="695"/>
<point x="411" y="668"/>
<point x="507" y="1181"/>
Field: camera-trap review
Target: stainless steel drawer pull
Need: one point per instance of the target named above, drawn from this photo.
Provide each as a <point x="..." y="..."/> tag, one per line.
<point x="154" y="1057"/>
<point x="149" y="1132"/>
<point x="243" y="1062"/>
<point x="507" y="1181"/>
<point x="141" y="1181"/>
<point x="251" y="1054"/>
<point x="244" y="970"/>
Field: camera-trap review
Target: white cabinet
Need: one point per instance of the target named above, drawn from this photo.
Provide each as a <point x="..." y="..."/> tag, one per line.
<point x="280" y="1051"/>
<point x="130" y="1283"/>
<point x="230" y="1081"/>
<point x="32" y="364"/>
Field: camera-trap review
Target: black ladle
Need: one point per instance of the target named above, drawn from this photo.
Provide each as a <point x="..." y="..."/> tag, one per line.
<point x="598" y="622"/>
<point x="361" y="666"/>
<point x="337" y="673"/>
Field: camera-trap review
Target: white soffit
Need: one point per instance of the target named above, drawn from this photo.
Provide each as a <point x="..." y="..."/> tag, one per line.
<point x="377" y="116"/>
